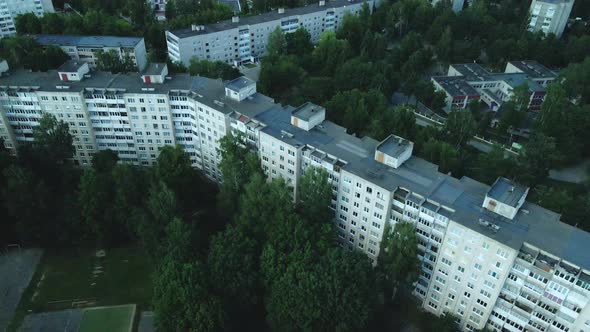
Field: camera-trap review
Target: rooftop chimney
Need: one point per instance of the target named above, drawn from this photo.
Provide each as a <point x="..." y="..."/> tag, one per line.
<point x="322" y="3"/>
<point x="281" y="10"/>
<point x="235" y="19"/>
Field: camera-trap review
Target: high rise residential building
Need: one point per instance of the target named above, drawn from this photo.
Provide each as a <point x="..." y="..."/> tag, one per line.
<point x="550" y="16"/>
<point x="85" y="48"/>
<point x="487" y="255"/>
<point x="244" y="39"/>
<point x="10" y="9"/>
<point x="469" y="82"/>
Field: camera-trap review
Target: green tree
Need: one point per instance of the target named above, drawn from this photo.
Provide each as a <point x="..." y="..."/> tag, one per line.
<point x="213" y="69"/>
<point x="299" y="42"/>
<point x="182" y="298"/>
<point x="539" y="155"/>
<point x="494" y="164"/>
<point x="174" y="168"/>
<point x="233" y="260"/>
<point x="398" y="264"/>
<point x="237" y="166"/>
<point x="330" y="53"/>
<point x="279" y="75"/>
<point x="171" y="10"/>
<point x="27" y="23"/>
<point x="110" y="61"/>
<point x="52" y="23"/>
<point x="316" y="196"/>
<point x="52" y="139"/>
<point x="351" y="30"/>
<point x="444" y="47"/>
<point x="459" y="128"/>
<point x="310" y="297"/>
<point x="277" y="44"/>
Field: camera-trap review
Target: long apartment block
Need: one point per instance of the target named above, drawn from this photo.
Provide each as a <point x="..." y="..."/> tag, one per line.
<point x="469" y="82"/>
<point x="487" y="255"/>
<point x="244" y="39"/>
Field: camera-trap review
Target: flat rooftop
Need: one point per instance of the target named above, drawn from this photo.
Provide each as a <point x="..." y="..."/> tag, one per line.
<point x="239" y="83"/>
<point x="507" y="191"/>
<point x="71" y="66"/>
<point x="533" y="69"/>
<point x="261" y="18"/>
<point x="455" y="85"/>
<point x="394" y="146"/>
<point x="154" y="69"/>
<point x="307" y="111"/>
<point x="88" y="41"/>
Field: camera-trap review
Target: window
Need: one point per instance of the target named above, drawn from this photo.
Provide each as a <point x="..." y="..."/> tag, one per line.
<point x="445" y="261"/>
<point x="485" y="245"/>
<point x="477" y="266"/>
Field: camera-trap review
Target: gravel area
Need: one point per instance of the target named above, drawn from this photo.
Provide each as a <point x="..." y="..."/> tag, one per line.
<point x="17" y="267"/>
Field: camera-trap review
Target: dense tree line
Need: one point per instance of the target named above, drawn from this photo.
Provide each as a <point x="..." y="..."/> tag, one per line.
<point x="47" y="201"/>
<point x="25" y="52"/>
<point x="276" y="264"/>
<point x="184" y="13"/>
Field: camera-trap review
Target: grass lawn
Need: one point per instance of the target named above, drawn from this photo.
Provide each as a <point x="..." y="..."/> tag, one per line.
<point x="250" y="65"/>
<point x="113" y="319"/>
<point x="67" y="276"/>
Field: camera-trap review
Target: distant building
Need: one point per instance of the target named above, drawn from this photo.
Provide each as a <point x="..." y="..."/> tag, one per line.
<point x="159" y="7"/>
<point x="465" y="83"/>
<point x="457" y="5"/>
<point x="550" y="16"/>
<point x="10" y="9"/>
<point x="85" y="48"/>
<point x="244" y="39"/>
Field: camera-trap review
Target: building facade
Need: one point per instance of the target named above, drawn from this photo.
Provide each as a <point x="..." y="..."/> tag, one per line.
<point x="550" y="16"/>
<point x="487" y="255"/>
<point x="244" y="39"/>
<point x="85" y="48"/>
<point x="469" y="82"/>
<point x="10" y="9"/>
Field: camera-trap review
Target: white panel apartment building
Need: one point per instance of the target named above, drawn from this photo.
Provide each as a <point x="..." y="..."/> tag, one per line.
<point x="10" y="9"/>
<point x="85" y="48"/>
<point x="550" y="16"/>
<point x="487" y="256"/>
<point x="244" y="39"/>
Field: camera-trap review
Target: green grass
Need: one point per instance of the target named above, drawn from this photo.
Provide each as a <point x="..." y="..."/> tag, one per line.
<point x="250" y="65"/>
<point x="114" y="319"/>
<point x="126" y="278"/>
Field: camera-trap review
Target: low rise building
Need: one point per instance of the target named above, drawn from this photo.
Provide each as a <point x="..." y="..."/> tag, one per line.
<point x="85" y="48"/>
<point x="244" y="39"/>
<point x="487" y="255"/>
<point x="469" y="82"/>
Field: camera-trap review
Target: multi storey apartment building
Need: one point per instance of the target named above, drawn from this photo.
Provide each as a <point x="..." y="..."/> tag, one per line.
<point x="85" y="48"/>
<point x="469" y="82"/>
<point x="244" y="39"/>
<point x="487" y="256"/>
<point x="550" y="16"/>
<point x="10" y="9"/>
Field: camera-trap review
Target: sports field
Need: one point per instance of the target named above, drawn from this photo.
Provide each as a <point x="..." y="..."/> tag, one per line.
<point x="115" y="319"/>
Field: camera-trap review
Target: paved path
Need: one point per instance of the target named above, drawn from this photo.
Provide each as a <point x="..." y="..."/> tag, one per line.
<point x="146" y="322"/>
<point x="573" y="174"/>
<point x="251" y="73"/>
<point x="16" y="271"/>
<point x="54" y="321"/>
